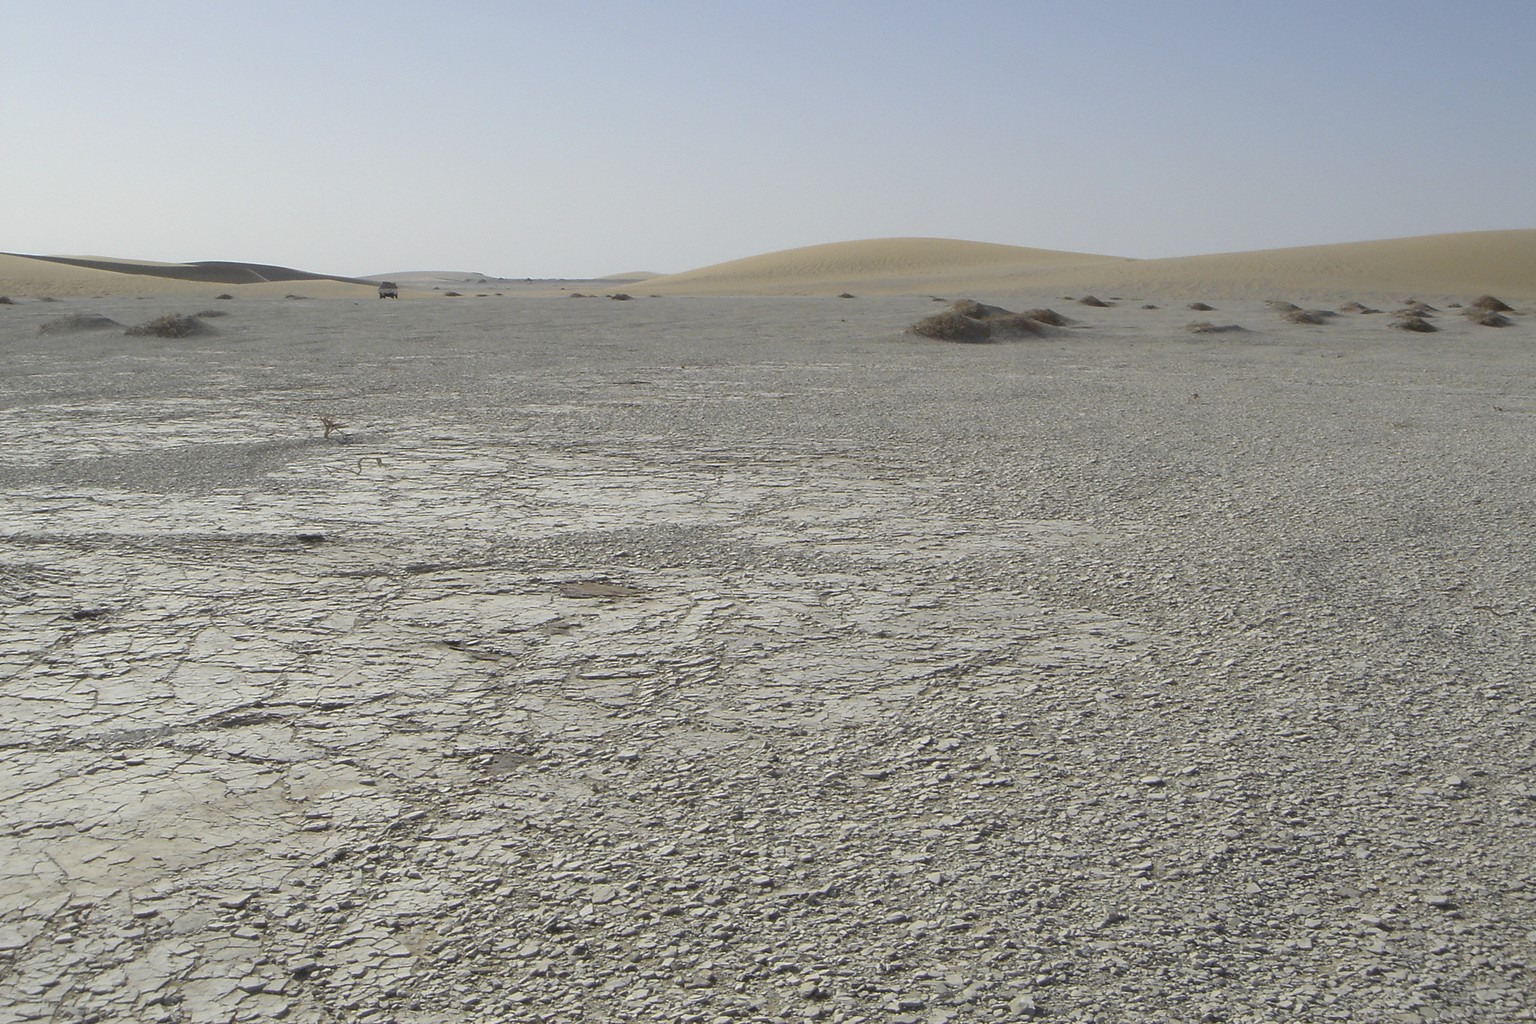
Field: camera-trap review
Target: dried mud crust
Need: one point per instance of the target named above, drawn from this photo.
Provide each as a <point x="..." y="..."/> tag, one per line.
<point x="827" y="680"/>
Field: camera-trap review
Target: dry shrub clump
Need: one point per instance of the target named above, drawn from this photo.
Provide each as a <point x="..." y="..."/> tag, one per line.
<point x="846" y="295"/>
<point x="1092" y="300"/>
<point x="1419" y="307"/>
<point x="1048" y="316"/>
<point x="621" y="296"/>
<point x="1282" y="307"/>
<point x="1487" y="318"/>
<point x="971" y="321"/>
<point x="1491" y="304"/>
<point x="952" y="326"/>
<point x="1357" y="307"/>
<point x="5" y="300"/>
<point x="1017" y="324"/>
<point x="1309" y="316"/>
<point x="172" y="325"/>
<point x="78" y="322"/>
<point x="973" y="309"/>
<point x="1206" y="327"/>
<point x="1409" y="322"/>
<point x="1200" y="307"/>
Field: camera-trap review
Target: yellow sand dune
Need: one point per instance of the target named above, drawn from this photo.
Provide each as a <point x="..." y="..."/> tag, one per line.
<point x="1501" y="262"/>
<point x="1445" y="267"/>
<point x="37" y="277"/>
<point x="885" y="265"/>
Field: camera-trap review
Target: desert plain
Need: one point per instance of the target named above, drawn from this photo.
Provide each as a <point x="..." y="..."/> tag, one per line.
<point x="732" y="653"/>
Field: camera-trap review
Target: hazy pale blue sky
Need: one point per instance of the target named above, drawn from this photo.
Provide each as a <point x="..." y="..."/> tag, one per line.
<point x="571" y="138"/>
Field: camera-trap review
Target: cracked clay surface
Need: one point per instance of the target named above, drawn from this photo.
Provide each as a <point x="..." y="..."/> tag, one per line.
<point x="712" y="660"/>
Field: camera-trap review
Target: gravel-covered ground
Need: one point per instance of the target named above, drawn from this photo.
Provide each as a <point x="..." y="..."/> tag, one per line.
<point x="747" y="660"/>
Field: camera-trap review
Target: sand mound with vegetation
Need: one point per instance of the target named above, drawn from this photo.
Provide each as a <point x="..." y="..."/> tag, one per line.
<point x="171" y="325"/>
<point x="77" y="323"/>
<point x="971" y="321"/>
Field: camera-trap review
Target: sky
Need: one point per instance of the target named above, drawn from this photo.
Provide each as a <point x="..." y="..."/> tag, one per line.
<point x="574" y="138"/>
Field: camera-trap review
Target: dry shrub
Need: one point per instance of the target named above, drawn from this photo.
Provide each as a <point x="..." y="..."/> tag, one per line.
<point x="207" y="313"/>
<point x="1488" y="318"/>
<point x="1282" y="307"/>
<point x="1412" y="311"/>
<point x="1356" y="307"/>
<point x="172" y="325"/>
<point x="973" y="309"/>
<point x="1149" y="306"/>
<point x="1048" y="316"/>
<point x="1200" y="307"/>
<point x="952" y="326"/>
<point x="78" y="322"/>
<point x="1417" y="324"/>
<point x="1015" y="324"/>
<point x="452" y="295"/>
<point x="578" y="295"/>
<point x="621" y="296"/>
<point x="1092" y="300"/>
<point x="1491" y="304"/>
<point x="226" y="295"/>
<point x="1422" y="307"/>
<point x="1205" y="327"/>
<point x="972" y="321"/>
<point x="1308" y="316"/>
<point x="846" y="295"/>
<point x="5" y="300"/>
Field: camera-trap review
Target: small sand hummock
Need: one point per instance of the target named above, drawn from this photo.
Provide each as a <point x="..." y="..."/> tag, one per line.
<point x="1206" y="327"/>
<point x="1049" y="316"/>
<point x="1411" y="322"/>
<point x="75" y="323"/>
<point x="1486" y="317"/>
<point x="1309" y="316"/>
<point x="1092" y="300"/>
<point x="970" y="321"/>
<point x="172" y="325"/>
<point x="1491" y="304"/>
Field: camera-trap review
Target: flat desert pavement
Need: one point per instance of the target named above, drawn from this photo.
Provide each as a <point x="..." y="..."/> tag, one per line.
<point x="747" y="658"/>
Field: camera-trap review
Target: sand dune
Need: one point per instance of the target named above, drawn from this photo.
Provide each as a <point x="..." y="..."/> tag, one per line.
<point x="1436" y="265"/>
<point x="1443" y="267"/>
<point x="65" y="276"/>
<point x="887" y="265"/>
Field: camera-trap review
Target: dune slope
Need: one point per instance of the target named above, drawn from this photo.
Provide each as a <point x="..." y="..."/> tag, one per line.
<point x="60" y="276"/>
<point x="889" y="265"/>
<point x="1434" y="265"/>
